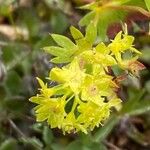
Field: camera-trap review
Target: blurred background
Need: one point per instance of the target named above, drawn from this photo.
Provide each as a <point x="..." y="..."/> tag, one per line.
<point x="25" y="27"/>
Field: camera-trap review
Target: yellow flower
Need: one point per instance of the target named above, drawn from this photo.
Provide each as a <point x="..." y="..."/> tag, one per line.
<point x="86" y="82"/>
<point x="50" y="109"/>
<point x="92" y="115"/>
<point x="95" y="88"/>
<point x="46" y="92"/>
<point x="71" y="76"/>
<point x="70" y="124"/>
<point x="122" y="43"/>
<point x="93" y="56"/>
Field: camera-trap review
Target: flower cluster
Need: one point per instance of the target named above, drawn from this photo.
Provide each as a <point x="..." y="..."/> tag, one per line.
<point x="86" y="90"/>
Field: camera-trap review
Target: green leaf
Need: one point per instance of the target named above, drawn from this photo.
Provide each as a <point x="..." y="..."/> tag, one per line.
<point x="63" y="41"/>
<point x="78" y="145"/>
<point x="56" y="51"/>
<point x="47" y="135"/>
<point x="91" y="33"/>
<point x="59" y="60"/>
<point x="16" y="105"/>
<point x="59" y="22"/>
<point x="14" y="57"/>
<point x="87" y="18"/>
<point x="147" y="2"/>
<point x="106" y="18"/>
<point x="35" y="99"/>
<point x="140" y="108"/>
<point x="31" y="21"/>
<point x="43" y="42"/>
<point x="76" y="34"/>
<point x="103" y="132"/>
<point x="147" y="86"/>
<point x="102" y="29"/>
<point x="97" y="146"/>
<point x="145" y="54"/>
<point x="121" y="2"/>
<point x="139" y="3"/>
<point x="13" y="79"/>
<point x="9" y="144"/>
<point x="75" y="145"/>
<point x="37" y="127"/>
<point x="131" y="104"/>
<point x="34" y="142"/>
<point x="4" y="9"/>
<point x="83" y="45"/>
<point x="41" y="83"/>
<point x="56" y="146"/>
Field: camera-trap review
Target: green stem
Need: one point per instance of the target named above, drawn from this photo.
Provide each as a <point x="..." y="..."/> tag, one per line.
<point x="70" y="98"/>
<point x="76" y="100"/>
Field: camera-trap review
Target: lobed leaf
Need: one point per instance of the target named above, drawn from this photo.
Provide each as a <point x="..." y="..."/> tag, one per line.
<point x="91" y="33"/>
<point x="147" y="2"/>
<point x="59" y="60"/>
<point x="76" y="34"/>
<point x="87" y="18"/>
<point x="63" y="41"/>
<point x="56" y="51"/>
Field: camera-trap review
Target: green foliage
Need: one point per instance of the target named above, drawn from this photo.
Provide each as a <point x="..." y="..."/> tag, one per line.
<point x="105" y="13"/>
<point x="147" y="2"/>
<point x="80" y="63"/>
<point x="78" y="145"/>
<point x="56" y="18"/>
<point x="33" y="143"/>
<point x="68" y="50"/>
<point x="9" y="144"/>
<point x="47" y="136"/>
<point x="103" y="132"/>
